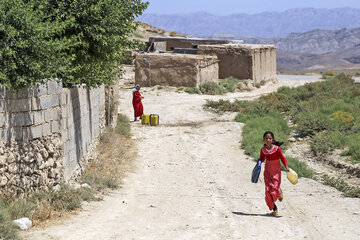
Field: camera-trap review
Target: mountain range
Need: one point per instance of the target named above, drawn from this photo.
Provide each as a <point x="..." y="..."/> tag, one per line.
<point x="266" y="24"/>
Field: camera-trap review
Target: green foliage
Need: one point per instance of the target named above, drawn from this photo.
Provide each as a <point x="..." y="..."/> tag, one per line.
<point x="29" y="49"/>
<point x="77" y="41"/>
<point x="309" y="123"/>
<point x="192" y="90"/>
<point x="212" y="88"/>
<point x="323" y="142"/>
<point x="256" y="126"/>
<point x="8" y="230"/>
<point x="346" y="117"/>
<point x="231" y="84"/>
<point x="222" y="105"/>
<point x="353" y="150"/>
<point x="342" y="186"/>
<point x="123" y="125"/>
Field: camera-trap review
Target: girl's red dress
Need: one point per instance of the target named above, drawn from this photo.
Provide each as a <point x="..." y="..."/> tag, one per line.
<point x="272" y="173"/>
<point x="137" y="105"/>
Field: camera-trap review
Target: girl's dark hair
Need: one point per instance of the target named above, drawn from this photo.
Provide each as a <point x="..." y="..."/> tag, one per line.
<point x="272" y="135"/>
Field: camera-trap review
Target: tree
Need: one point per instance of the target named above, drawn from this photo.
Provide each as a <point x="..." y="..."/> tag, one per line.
<point x="78" y="41"/>
<point x="28" y="54"/>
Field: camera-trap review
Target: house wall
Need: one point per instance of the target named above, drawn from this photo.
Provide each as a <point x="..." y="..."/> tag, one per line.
<point x="175" y="69"/>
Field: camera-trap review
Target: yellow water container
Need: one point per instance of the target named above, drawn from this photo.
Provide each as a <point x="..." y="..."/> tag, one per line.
<point x="145" y="119"/>
<point x="292" y="176"/>
<point x="154" y="119"/>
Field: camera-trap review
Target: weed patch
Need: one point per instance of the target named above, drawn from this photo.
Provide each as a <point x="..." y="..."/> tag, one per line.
<point x="342" y="186"/>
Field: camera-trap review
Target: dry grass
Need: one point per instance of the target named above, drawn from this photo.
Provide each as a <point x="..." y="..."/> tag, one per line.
<point x="46" y="207"/>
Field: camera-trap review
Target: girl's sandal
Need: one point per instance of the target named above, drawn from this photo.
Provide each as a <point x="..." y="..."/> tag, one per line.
<point x="281" y="196"/>
<point x="274" y="213"/>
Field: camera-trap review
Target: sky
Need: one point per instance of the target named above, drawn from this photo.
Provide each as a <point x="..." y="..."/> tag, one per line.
<point x="226" y="7"/>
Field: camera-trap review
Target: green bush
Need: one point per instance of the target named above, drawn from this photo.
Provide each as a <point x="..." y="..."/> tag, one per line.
<point x="123" y="125"/>
<point x="230" y="84"/>
<point x="309" y="123"/>
<point x="342" y="186"/>
<point x="212" y="88"/>
<point x="84" y="44"/>
<point x="192" y="90"/>
<point x="222" y="105"/>
<point x="323" y="142"/>
<point x="8" y="230"/>
<point x="256" y="126"/>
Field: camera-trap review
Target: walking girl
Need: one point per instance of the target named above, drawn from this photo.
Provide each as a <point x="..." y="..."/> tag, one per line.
<point x="136" y="102"/>
<point x="271" y="151"/>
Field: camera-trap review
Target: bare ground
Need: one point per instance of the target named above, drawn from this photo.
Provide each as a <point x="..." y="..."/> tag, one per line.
<point x="192" y="181"/>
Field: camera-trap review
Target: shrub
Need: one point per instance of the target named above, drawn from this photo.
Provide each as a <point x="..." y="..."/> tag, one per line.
<point x="309" y="123"/>
<point x="346" y="117"/>
<point x="123" y="125"/>
<point x="8" y="230"/>
<point x="328" y="140"/>
<point x="192" y="90"/>
<point x="342" y="186"/>
<point x="222" y="105"/>
<point x="230" y="84"/>
<point x="211" y="88"/>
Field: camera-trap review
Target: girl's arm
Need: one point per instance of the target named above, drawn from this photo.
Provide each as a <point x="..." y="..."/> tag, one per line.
<point x="283" y="159"/>
<point x="262" y="156"/>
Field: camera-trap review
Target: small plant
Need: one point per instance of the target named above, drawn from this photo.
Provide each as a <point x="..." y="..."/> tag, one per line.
<point x="123" y="125"/>
<point x="342" y="186"/>
<point x="212" y="88"/>
<point x="192" y="90"/>
<point x="160" y="87"/>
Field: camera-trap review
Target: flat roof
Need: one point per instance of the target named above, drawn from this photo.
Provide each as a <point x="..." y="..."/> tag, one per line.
<point x="161" y="39"/>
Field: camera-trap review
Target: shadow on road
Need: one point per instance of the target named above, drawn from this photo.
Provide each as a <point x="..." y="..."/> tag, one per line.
<point x="255" y="214"/>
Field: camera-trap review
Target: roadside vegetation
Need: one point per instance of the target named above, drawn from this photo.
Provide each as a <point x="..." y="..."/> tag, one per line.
<point x="327" y="112"/>
<point x="114" y="160"/>
<point x="226" y="85"/>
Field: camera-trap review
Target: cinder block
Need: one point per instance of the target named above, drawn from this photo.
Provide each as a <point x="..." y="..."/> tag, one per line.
<point x="52" y="87"/>
<point x="55" y="127"/>
<point x="49" y="101"/>
<point x="21" y="119"/>
<point x="27" y="136"/>
<point x="21" y="105"/>
<point x="35" y="104"/>
<point x="36" y="131"/>
<point x="49" y="115"/>
<point x="46" y="128"/>
<point x="40" y="90"/>
<point x="38" y="117"/>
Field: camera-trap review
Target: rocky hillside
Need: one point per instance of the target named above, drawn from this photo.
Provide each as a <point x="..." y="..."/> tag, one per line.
<point x="315" y="41"/>
<point x="267" y="24"/>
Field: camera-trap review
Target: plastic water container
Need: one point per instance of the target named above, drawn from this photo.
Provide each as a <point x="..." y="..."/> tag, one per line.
<point x="256" y="172"/>
<point x="292" y="176"/>
<point x="145" y="119"/>
<point x="154" y="119"/>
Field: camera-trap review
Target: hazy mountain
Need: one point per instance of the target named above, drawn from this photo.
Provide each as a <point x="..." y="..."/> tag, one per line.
<point x="267" y="24"/>
<point x="315" y="41"/>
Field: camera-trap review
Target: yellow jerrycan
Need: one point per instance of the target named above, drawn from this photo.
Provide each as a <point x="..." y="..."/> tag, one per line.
<point x="292" y="176"/>
<point x="154" y="119"/>
<point x="145" y="119"/>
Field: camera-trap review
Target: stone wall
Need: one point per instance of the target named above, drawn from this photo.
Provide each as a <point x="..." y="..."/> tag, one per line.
<point x="45" y="134"/>
<point x="175" y="69"/>
<point x="244" y="61"/>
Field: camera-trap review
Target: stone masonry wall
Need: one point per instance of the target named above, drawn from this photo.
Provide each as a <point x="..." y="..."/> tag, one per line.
<point x="45" y="134"/>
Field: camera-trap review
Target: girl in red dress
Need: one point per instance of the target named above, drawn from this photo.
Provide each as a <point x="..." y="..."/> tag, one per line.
<point x="137" y="105"/>
<point x="272" y="175"/>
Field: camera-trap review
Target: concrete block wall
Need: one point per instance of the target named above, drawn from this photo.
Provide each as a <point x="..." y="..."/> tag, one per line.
<point x="28" y="114"/>
<point x="83" y="117"/>
<point x="46" y="133"/>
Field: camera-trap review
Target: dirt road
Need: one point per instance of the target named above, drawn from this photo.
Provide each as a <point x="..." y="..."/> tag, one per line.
<point x="192" y="181"/>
